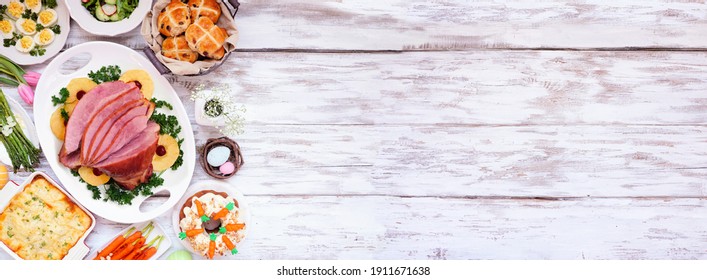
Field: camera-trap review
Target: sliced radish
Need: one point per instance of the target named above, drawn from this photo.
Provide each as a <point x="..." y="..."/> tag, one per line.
<point x="108" y="9"/>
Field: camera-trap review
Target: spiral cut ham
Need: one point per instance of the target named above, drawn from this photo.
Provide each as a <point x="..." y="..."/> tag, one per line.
<point x="110" y="130"/>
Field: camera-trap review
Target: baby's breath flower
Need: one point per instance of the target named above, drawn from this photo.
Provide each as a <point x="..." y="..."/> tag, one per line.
<point x="220" y="104"/>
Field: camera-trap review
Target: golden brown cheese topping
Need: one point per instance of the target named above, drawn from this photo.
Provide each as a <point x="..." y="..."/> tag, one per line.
<point x="42" y="223"/>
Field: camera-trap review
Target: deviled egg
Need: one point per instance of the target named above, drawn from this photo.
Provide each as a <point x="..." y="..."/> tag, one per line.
<point x="47" y="17"/>
<point x="25" y="44"/>
<point x="26" y="26"/>
<point x="15" y="9"/>
<point x="6" y="28"/>
<point x="34" y="5"/>
<point x="44" y="37"/>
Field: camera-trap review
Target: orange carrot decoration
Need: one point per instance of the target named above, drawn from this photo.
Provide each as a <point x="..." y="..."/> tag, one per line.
<point x="194" y="232"/>
<point x="212" y="245"/>
<point x="229" y="244"/>
<point x="234" y="227"/>
<point x="199" y="207"/>
<point x="220" y="214"/>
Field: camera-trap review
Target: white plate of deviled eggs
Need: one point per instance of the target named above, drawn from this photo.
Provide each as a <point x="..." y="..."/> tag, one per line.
<point x="33" y="31"/>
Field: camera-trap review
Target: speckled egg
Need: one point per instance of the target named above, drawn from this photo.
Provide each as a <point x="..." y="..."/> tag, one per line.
<point x="218" y="156"/>
<point x="227" y="168"/>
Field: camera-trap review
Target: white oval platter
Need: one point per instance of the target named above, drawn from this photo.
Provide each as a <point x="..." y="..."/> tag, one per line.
<point x="104" y="54"/>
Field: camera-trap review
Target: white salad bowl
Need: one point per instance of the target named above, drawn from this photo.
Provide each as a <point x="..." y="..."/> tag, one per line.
<point x="92" y="25"/>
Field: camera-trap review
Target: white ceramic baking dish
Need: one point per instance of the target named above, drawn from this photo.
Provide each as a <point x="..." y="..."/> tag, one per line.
<point x="6" y="194"/>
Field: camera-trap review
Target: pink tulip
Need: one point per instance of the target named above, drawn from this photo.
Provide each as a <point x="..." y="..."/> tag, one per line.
<point x="32" y="78"/>
<point x="26" y="93"/>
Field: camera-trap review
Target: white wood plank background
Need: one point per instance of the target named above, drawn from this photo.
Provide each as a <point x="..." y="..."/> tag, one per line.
<point x="524" y="130"/>
<point x="461" y="24"/>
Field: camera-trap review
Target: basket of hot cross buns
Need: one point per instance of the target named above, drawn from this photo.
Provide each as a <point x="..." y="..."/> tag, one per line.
<point x="190" y="37"/>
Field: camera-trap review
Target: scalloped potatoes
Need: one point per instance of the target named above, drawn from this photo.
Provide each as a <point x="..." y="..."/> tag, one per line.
<point x="42" y="223"/>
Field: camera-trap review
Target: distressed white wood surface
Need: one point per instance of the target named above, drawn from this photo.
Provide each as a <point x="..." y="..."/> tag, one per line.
<point x="385" y="227"/>
<point x="461" y="24"/>
<point x="469" y="88"/>
<point x="492" y="154"/>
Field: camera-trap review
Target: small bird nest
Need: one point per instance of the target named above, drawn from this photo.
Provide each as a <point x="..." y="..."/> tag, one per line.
<point x="235" y="157"/>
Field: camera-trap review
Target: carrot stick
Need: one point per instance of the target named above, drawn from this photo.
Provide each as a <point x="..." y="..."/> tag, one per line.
<point x="194" y="232"/>
<point x="125" y="248"/>
<point x="136" y="249"/>
<point x="135" y="236"/>
<point x="148" y="253"/>
<point x="139" y="248"/>
<point x="121" y="254"/>
<point x="234" y="227"/>
<point x="220" y="214"/>
<point x="140" y="242"/>
<point x="113" y="245"/>
<point x="199" y="207"/>
<point x="141" y="254"/>
<point x="133" y="254"/>
<point x="141" y="251"/>
<point x="150" y="250"/>
<point x="131" y="239"/>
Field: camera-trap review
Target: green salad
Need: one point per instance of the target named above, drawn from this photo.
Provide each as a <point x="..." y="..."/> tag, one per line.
<point x="110" y="10"/>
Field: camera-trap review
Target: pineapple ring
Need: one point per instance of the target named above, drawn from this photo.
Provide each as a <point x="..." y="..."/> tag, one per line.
<point x="171" y="153"/>
<point x="78" y="85"/>
<point x="57" y="124"/>
<point x="142" y="79"/>
<point x="91" y="178"/>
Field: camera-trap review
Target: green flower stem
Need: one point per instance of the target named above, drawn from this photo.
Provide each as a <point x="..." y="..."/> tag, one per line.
<point x="15" y="69"/>
<point x="9" y="82"/>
